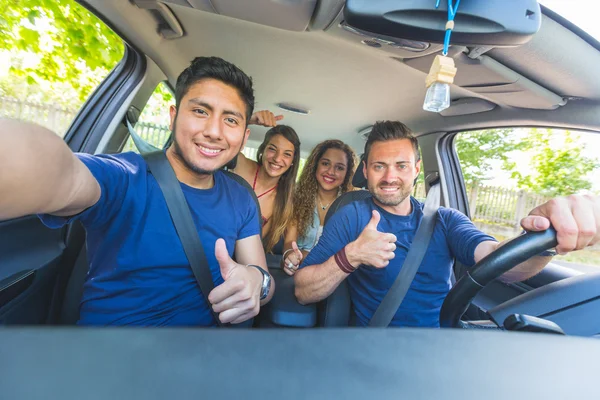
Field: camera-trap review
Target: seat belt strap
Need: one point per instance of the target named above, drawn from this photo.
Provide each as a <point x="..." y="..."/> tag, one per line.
<point x="394" y="297"/>
<point x="143" y="146"/>
<point x="161" y="169"/>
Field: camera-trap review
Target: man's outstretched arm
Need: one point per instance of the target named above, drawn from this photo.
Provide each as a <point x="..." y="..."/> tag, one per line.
<point x="40" y="174"/>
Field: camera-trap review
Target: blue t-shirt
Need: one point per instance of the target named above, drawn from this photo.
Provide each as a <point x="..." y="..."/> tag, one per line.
<point x="138" y="271"/>
<point x="454" y="236"/>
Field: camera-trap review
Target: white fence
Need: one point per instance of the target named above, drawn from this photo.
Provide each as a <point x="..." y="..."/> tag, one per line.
<point x="52" y="117"/>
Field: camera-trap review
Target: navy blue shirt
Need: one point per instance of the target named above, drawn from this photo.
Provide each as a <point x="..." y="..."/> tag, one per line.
<point x="138" y="271"/>
<point x="454" y="236"/>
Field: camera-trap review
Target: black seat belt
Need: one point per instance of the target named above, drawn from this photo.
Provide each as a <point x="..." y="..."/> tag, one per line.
<point x="184" y="224"/>
<point x="393" y="299"/>
<point x="161" y="169"/>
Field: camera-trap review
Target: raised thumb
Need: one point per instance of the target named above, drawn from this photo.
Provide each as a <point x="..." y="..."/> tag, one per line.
<point x="374" y="220"/>
<point x="225" y="262"/>
<point x="296" y="249"/>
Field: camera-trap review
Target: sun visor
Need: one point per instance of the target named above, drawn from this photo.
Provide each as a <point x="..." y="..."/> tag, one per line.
<point x="289" y="15"/>
<point x="466" y="106"/>
<point x="482" y="23"/>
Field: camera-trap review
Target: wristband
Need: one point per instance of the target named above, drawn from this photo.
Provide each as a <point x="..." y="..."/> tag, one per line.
<point x="342" y="261"/>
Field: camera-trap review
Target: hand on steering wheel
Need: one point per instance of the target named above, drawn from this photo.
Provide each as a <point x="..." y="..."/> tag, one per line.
<point x="488" y="269"/>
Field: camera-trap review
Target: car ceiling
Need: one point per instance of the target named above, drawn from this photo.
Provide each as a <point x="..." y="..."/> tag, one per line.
<point x="347" y="85"/>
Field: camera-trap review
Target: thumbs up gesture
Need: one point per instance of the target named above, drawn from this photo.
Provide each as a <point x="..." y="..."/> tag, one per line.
<point x="372" y="247"/>
<point x="238" y="298"/>
<point x="292" y="259"/>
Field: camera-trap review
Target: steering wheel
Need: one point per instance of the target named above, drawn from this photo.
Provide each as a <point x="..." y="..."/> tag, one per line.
<point x="489" y="268"/>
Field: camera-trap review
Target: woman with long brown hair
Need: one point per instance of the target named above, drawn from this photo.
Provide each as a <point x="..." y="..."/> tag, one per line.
<point x="273" y="177"/>
<point x="326" y="175"/>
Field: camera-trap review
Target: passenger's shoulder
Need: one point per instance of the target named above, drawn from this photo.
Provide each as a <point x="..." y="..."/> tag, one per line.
<point x="129" y="162"/>
<point x="450" y="212"/>
<point x="354" y="213"/>
<point x="354" y="207"/>
<point x="127" y="157"/>
<point x="234" y="183"/>
<point x="452" y="216"/>
<point x="245" y="166"/>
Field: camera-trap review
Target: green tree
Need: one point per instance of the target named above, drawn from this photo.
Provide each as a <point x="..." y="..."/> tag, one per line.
<point x="72" y="45"/>
<point x="477" y="149"/>
<point x="558" y="166"/>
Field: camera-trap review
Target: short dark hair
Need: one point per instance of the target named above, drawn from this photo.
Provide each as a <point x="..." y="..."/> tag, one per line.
<point x="383" y="131"/>
<point x="221" y="70"/>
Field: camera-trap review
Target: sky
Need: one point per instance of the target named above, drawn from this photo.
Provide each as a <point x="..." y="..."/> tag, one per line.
<point x="583" y="13"/>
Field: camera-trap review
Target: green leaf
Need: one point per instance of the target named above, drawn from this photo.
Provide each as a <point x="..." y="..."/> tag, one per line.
<point x="32" y="15"/>
<point x="30" y="36"/>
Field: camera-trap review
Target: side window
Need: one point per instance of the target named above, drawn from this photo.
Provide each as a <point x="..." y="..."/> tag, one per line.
<point x="419" y="190"/>
<point x="250" y="152"/>
<point x="508" y="172"/>
<point x="154" y="121"/>
<point x="53" y="54"/>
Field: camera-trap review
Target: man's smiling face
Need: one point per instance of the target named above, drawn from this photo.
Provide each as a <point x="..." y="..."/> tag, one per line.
<point x="209" y="128"/>
<point x="391" y="170"/>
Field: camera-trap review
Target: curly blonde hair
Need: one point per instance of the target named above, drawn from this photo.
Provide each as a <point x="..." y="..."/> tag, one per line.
<point x="307" y="187"/>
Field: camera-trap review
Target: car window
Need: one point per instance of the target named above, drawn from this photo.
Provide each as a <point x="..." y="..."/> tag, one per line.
<point x="508" y="172"/>
<point x="154" y="121"/>
<point x="251" y="153"/>
<point x="52" y="56"/>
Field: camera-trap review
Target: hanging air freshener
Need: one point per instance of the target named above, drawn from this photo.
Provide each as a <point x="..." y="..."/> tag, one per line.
<point x="442" y="71"/>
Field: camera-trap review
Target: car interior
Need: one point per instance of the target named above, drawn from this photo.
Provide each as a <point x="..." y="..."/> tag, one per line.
<point x="333" y="68"/>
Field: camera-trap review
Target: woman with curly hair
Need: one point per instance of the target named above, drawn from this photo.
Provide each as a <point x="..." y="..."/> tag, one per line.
<point x="273" y="177"/>
<point x="327" y="174"/>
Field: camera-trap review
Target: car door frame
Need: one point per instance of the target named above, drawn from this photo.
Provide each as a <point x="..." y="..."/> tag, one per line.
<point x="37" y="261"/>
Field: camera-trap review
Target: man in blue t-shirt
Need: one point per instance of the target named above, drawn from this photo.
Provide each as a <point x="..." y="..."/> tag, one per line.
<point x="138" y="271"/>
<point x="366" y="242"/>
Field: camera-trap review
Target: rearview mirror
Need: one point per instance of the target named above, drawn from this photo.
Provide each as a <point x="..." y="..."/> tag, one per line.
<point x="478" y="22"/>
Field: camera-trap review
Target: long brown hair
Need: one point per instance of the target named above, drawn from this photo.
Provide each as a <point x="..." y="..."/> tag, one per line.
<point x="307" y="189"/>
<point x="282" y="209"/>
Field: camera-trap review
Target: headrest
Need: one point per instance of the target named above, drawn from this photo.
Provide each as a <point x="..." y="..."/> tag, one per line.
<point x="359" y="180"/>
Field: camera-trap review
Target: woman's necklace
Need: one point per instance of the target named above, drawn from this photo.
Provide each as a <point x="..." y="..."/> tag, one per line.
<point x="323" y="207"/>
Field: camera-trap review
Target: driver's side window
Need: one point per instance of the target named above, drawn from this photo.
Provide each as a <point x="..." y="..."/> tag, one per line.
<point x="509" y="171"/>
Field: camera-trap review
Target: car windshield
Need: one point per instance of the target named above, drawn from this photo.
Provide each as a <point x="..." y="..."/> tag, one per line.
<point x="578" y="12"/>
<point x="93" y="238"/>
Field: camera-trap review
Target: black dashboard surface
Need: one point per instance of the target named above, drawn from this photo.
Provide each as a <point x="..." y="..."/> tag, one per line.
<point x="80" y="363"/>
